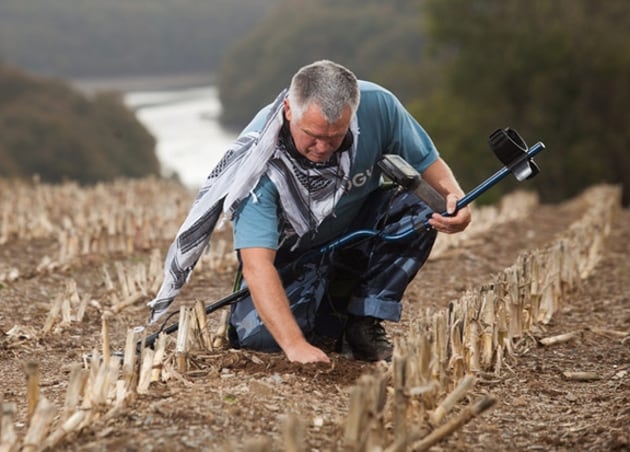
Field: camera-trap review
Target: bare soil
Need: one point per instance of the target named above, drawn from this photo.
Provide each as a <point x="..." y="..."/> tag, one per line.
<point x="230" y="397"/>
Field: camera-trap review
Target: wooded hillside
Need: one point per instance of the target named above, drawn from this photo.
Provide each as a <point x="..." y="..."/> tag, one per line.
<point x="52" y="131"/>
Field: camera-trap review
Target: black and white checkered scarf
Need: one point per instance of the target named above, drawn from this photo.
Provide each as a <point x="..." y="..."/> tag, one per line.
<point x="308" y="194"/>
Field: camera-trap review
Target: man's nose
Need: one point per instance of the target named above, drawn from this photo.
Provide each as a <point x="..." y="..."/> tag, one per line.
<point x="323" y="145"/>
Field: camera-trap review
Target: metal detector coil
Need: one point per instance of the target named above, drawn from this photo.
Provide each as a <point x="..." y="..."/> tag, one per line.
<point x="511" y="150"/>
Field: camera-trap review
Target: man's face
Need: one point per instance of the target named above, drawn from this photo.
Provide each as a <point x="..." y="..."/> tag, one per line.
<point x="314" y="137"/>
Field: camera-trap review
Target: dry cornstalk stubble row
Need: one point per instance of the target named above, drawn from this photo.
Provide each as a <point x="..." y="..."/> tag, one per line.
<point x="120" y="217"/>
<point x="445" y="352"/>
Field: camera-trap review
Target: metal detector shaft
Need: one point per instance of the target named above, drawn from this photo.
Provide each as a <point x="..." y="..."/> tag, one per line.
<point x="225" y="301"/>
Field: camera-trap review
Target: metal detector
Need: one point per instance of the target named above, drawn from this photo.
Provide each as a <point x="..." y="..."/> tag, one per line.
<point x="507" y="145"/>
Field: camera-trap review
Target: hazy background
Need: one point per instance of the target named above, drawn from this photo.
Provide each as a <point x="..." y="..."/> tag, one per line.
<point x="186" y="75"/>
<point x="92" y="38"/>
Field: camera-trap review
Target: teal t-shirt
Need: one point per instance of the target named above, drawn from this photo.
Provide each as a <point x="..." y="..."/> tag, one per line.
<point x="385" y="127"/>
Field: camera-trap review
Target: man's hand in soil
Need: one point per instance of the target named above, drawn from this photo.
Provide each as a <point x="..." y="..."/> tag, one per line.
<point x="303" y="352"/>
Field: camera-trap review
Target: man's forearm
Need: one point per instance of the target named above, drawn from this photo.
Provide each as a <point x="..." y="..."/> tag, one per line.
<point x="273" y="308"/>
<point x="440" y="177"/>
<point x="270" y="299"/>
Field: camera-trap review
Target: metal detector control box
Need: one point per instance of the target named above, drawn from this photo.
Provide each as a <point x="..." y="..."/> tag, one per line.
<point x="397" y="169"/>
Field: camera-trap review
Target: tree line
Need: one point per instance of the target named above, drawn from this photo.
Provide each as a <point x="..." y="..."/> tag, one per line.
<point x="558" y="71"/>
<point x="378" y="39"/>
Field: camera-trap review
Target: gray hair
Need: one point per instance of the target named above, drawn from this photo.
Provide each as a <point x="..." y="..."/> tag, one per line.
<point x="329" y="85"/>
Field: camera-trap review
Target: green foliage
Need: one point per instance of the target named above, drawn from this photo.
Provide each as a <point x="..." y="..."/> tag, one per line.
<point x="377" y="39"/>
<point x="556" y="71"/>
<point x="104" y="38"/>
<point x="50" y="130"/>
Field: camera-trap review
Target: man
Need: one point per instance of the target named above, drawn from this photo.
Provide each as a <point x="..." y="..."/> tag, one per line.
<point x="301" y="174"/>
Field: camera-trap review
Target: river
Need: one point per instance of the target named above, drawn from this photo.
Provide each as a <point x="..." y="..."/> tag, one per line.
<point x="185" y="124"/>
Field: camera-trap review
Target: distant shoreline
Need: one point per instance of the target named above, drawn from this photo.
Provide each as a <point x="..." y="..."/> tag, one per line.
<point x="149" y="82"/>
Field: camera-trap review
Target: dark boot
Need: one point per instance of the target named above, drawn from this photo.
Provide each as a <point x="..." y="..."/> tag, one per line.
<point x="367" y="339"/>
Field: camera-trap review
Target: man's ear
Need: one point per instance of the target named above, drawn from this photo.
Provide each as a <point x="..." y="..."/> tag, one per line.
<point x="347" y="142"/>
<point x="287" y="109"/>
